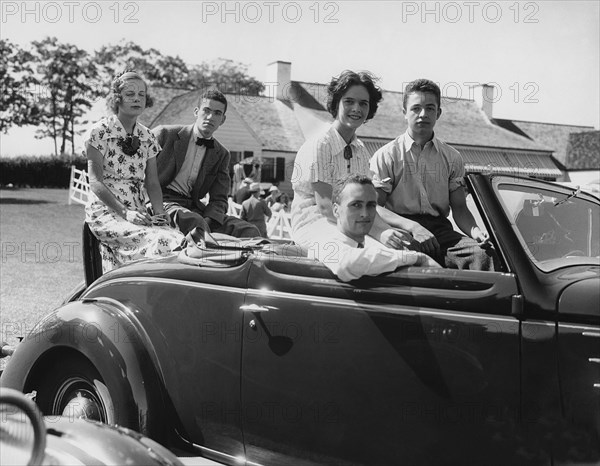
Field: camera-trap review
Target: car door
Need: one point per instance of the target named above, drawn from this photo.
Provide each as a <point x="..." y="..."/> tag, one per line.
<point x="549" y="235"/>
<point x="416" y="367"/>
<point x="579" y="369"/>
<point x="192" y="316"/>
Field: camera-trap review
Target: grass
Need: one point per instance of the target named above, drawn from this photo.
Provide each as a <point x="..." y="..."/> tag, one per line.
<point x="40" y="238"/>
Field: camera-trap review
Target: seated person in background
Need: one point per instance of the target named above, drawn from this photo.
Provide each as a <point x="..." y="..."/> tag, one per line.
<point x="420" y="178"/>
<point x="243" y="192"/>
<point x="191" y="165"/>
<point x="255" y="209"/>
<point x="277" y="200"/>
<point x="351" y="254"/>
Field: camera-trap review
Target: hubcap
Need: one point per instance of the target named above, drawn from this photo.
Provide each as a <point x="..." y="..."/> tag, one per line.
<point x="78" y="398"/>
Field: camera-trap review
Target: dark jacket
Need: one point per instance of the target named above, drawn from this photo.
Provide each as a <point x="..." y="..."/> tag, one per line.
<point x="213" y="177"/>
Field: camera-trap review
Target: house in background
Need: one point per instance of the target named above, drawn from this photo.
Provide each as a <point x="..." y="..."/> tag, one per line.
<point x="583" y="158"/>
<point x="576" y="149"/>
<point x="256" y="126"/>
<point x="272" y="128"/>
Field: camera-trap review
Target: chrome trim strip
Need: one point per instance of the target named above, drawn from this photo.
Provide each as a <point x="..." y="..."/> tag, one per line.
<point x="235" y="459"/>
<point x="252" y="463"/>
<point x="254" y="308"/>
<point x="229" y="289"/>
<point x="594" y="330"/>
<point x="380" y="307"/>
<point x="591" y="334"/>
<point x="310" y="298"/>
<point x="538" y="322"/>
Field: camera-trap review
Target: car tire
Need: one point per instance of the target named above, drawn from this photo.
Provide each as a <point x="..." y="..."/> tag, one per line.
<point x="73" y="387"/>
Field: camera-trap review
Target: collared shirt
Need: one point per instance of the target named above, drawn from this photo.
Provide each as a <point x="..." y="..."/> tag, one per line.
<point x="322" y="159"/>
<point x="418" y="180"/>
<point x="343" y="256"/>
<point x="105" y="135"/>
<point x="183" y="183"/>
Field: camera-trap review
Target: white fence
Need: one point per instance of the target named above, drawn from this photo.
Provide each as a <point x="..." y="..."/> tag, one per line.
<point x="278" y="227"/>
<point x="234" y="209"/>
<point x="79" y="186"/>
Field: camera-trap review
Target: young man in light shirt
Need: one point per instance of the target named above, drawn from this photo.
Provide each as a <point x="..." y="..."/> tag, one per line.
<point x="351" y="253"/>
<point x="420" y="178"/>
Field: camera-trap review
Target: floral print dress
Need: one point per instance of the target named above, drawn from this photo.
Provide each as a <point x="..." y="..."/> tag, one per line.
<point x="122" y="241"/>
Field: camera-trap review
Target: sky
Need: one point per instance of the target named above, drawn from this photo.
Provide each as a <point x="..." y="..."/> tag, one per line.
<point x="542" y="57"/>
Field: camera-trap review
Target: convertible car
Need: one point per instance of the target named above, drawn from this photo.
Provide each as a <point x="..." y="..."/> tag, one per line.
<point x="258" y="355"/>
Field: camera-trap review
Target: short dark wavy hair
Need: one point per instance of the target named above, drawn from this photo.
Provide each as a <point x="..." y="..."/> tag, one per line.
<point x="353" y="178"/>
<point x="340" y="85"/>
<point x="422" y="85"/>
<point x="213" y="94"/>
<point x="116" y="86"/>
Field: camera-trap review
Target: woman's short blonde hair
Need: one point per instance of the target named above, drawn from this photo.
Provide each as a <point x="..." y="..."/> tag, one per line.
<point x="116" y="86"/>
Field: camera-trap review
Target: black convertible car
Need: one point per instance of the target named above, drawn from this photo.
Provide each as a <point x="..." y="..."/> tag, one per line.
<point x="260" y="356"/>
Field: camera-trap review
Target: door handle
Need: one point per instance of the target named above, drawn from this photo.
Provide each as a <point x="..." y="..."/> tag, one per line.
<point x="253" y="308"/>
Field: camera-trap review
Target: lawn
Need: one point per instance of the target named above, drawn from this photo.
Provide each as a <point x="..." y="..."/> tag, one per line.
<point x="40" y="237"/>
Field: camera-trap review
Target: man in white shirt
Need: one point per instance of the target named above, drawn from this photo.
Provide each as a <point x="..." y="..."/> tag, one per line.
<point x="351" y="253"/>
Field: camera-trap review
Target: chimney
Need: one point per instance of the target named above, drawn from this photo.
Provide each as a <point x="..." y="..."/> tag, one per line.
<point x="278" y="79"/>
<point x="486" y="99"/>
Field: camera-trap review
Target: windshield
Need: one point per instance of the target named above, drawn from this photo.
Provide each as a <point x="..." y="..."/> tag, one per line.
<point x="557" y="227"/>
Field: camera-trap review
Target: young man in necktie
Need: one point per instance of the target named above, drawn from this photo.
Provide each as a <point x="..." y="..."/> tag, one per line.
<point x="351" y="253"/>
<point x="191" y="165"/>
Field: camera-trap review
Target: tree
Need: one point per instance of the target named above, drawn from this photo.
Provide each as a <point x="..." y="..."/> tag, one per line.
<point x="69" y="80"/>
<point x="227" y="75"/>
<point x="19" y="106"/>
<point x="158" y="69"/>
<point x="169" y="71"/>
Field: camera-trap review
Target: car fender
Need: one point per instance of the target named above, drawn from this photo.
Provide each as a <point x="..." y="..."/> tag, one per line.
<point x="107" y="333"/>
<point x="581" y="298"/>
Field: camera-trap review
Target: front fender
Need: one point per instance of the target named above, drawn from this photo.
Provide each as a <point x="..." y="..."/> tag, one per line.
<point x="108" y="335"/>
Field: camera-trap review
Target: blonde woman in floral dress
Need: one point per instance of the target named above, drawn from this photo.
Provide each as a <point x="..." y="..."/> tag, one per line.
<point x="122" y="168"/>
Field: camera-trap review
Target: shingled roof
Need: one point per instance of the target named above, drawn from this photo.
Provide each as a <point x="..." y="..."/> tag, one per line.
<point x="583" y="151"/>
<point x="552" y="135"/>
<point x="276" y="124"/>
<point x="461" y="123"/>
<point x="162" y="97"/>
<point x="273" y="121"/>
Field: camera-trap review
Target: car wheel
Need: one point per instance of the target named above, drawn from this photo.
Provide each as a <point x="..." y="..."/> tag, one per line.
<point x="74" y="388"/>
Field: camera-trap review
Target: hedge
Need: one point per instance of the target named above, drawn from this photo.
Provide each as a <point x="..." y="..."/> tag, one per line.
<point x="39" y="171"/>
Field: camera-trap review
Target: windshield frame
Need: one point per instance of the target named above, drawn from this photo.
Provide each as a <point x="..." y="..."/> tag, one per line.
<point x="549" y="195"/>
